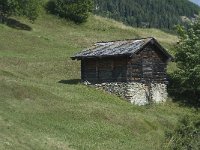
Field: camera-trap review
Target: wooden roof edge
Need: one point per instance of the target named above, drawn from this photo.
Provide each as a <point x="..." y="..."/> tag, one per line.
<point x="124" y="40"/>
<point x="104" y="56"/>
<point x="167" y="54"/>
<point x="170" y="57"/>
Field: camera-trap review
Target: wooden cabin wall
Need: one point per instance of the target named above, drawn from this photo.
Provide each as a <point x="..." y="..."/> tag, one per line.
<point x="149" y="65"/>
<point x="134" y="68"/>
<point x="104" y="70"/>
<point x="120" y="69"/>
<point x="159" y="65"/>
<point x="89" y="70"/>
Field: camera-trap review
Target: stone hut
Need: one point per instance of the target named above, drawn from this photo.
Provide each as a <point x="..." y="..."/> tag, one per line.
<point x="134" y="69"/>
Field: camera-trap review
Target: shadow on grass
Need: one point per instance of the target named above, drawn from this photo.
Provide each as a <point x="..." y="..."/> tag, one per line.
<point x="12" y="23"/>
<point x="72" y="81"/>
<point x="185" y="98"/>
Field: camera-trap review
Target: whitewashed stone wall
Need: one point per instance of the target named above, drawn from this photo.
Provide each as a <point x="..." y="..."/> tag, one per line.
<point x="159" y="93"/>
<point x="136" y="93"/>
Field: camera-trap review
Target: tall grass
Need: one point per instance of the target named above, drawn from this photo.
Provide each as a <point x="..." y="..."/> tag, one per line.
<point x="38" y="111"/>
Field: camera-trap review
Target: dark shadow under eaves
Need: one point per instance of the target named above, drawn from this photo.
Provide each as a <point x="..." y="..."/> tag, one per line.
<point x="71" y="81"/>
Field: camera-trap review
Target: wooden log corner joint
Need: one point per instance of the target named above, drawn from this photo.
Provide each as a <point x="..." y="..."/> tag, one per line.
<point x="134" y="69"/>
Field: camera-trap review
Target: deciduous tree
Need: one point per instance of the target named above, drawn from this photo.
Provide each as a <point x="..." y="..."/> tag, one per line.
<point x="28" y="8"/>
<point x="188" y="59"/>
<point x="75" y="10"/>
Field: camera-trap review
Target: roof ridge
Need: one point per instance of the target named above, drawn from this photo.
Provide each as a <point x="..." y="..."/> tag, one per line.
<point x="116" y="48"/>
<point x="125" y="40"/>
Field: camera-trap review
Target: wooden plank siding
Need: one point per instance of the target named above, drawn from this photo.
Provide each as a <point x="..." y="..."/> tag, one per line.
<point x="104" y="70"/>
<point x="120" y="69"/>
<point x="149" y="65"/>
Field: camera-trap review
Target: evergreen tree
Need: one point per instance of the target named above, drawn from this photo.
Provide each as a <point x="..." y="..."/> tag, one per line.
<point x="147" y="13"/>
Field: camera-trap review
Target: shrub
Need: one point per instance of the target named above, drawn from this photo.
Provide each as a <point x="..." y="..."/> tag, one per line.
<point x="28" y="8"/>
<point x="75" y="10"/>
<point x="186" y="135"/>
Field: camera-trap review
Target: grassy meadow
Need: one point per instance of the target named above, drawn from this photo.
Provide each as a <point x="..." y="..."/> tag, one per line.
<point x="43" y="105"/>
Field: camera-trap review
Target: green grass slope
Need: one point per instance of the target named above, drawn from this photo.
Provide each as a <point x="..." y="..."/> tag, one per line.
<point x="39" y="112"/>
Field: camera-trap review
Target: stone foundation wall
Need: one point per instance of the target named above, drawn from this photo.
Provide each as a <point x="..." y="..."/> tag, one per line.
<point x="137" y="93"/>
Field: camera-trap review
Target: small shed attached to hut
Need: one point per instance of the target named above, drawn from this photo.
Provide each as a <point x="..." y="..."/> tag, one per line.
<point x="134" y="69"/>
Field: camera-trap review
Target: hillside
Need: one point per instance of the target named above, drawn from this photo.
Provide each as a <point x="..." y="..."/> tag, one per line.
<point x="146" y="13"/>
<point x="43" y="105"/>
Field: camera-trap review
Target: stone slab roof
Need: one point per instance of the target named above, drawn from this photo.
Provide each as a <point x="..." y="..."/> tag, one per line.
<point x="117" y="48"/>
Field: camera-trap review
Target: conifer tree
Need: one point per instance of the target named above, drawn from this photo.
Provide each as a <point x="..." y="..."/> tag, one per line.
<point x="147" y="13"/>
